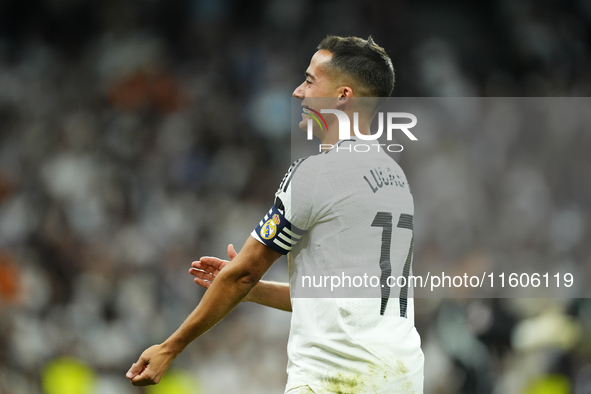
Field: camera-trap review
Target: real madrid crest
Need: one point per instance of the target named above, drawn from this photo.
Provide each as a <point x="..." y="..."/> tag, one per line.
<point x="270" y="227"/>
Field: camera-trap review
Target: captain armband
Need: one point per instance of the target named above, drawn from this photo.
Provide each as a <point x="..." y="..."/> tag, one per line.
<point x="277" y="232"/>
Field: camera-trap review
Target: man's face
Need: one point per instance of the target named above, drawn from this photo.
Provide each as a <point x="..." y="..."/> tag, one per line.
<point x="318" y="89"/>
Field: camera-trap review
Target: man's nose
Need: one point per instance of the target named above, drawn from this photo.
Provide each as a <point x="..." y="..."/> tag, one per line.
<point x="298" y="92"/>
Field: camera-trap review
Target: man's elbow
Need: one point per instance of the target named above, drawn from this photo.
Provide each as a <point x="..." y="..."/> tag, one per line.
<point x="249" y="279"/>
<point x="244" y="277"/>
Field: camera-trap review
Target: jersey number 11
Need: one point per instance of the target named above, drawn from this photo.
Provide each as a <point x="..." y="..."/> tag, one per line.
<point x="384" y="220"/>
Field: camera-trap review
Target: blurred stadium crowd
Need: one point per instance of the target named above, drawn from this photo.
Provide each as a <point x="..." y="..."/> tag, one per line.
<point x="137" y="136"/>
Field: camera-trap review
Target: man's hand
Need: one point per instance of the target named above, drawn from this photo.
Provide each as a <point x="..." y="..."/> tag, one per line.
<point x="151" y="365"/>
<point x="230" y="287"/>
<point x="272" y="294"/>
<point x="207" y="268"/>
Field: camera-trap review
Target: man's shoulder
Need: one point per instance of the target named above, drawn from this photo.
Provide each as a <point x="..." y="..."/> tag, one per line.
<point x="309" y="164"/>
<point x="297" y="170"/>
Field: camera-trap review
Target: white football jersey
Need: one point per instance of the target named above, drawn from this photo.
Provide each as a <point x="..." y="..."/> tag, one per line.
<point x="349" y="214"/>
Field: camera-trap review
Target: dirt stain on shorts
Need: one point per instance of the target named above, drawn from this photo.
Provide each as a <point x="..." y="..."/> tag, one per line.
<point x="374" y="379"/>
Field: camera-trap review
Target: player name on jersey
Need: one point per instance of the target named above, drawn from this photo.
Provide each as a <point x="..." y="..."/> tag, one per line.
<point x="378" y="178"/>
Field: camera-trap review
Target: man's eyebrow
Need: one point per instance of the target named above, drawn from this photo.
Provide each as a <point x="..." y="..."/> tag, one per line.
<point x="308" y="75"/>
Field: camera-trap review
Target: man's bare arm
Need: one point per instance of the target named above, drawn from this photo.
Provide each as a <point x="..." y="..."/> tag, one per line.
<point x="230" y="287"/>
<point x="271" y="294"/>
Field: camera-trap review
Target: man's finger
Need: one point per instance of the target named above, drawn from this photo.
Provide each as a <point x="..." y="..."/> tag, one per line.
<point x="207" y="264"/>
<point x="212" y="262"/>
<point x="144" y="379"/>
<point x="203" y="283"/>
<point x="130" y="374"/>
<point x="135" y="370"/>
<point x="202" y="274"/>
<point x="139" y="378"/>
<point x="200" y="267"/>
<point x="231" y="252"/>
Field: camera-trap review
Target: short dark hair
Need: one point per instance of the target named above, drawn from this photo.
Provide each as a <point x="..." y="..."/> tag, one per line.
<point x="364" y="61"/>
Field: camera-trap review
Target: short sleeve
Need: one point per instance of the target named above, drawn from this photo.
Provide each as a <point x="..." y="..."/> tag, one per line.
<point x="287" y="221"/>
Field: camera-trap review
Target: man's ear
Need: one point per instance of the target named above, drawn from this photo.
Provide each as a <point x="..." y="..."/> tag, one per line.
<point x="345" y="95"/>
